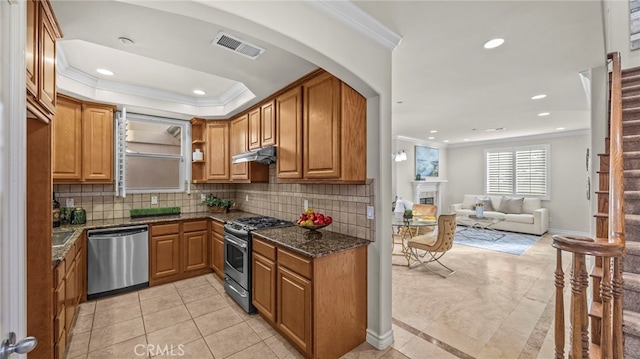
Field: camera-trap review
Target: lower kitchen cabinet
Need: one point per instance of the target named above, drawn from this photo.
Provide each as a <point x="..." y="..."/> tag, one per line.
<point x="178" y="250"/>
<point x="216" y="255"/>
<point x="318" y="304"/>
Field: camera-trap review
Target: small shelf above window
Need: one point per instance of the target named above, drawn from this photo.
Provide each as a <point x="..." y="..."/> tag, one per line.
<point x="198" y="142"/>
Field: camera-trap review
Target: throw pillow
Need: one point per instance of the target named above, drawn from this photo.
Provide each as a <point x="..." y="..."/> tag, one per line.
<point x="486" y="203"/>
<point x="511" y="205"/>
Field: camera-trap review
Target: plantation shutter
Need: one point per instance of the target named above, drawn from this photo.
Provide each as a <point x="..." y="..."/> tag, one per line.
<point x="531" y="172"/>
<point x="499" y="172"/>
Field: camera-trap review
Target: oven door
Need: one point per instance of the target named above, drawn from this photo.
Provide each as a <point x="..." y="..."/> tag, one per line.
<point x="236" y="259"/>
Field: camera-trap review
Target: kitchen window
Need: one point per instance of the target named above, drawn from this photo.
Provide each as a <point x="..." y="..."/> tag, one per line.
<point x="151" y="154"/>
<point x="522" y="171"/>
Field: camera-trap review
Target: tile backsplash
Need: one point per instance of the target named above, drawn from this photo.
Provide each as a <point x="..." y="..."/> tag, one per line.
<point x="347" y="204"/>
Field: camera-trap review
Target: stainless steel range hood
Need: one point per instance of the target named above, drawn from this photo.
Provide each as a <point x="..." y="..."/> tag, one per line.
<point x="266" y="155"/>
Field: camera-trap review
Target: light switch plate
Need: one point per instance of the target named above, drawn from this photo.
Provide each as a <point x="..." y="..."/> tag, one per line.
<point x="203" y="196"/>
<point x="70" y="202"/>
<point x="306" y="204"/>
<point x="246" y="199"/>
<point x="369" y="212"/>
<point x="154" y="199"/>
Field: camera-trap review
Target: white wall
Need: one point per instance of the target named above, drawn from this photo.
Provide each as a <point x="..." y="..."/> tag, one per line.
<point x="618" y="32"/>
<point x="405" y="172"/>
<point x="569" y="208"/>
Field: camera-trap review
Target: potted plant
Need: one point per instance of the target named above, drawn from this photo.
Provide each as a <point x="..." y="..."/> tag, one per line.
<point x="216" y="204"/>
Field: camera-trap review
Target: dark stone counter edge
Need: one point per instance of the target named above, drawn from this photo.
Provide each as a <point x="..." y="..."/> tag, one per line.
<point x="59" y="252"/>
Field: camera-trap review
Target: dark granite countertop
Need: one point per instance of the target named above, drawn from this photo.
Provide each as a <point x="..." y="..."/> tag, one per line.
<point x="60" y="252"/>
<point x="301" y="241"/>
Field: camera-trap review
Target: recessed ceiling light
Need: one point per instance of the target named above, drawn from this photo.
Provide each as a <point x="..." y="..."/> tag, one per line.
<point x="105" y="72"/>
<point x="560" y="128"/>
<point x="445" y="141"/>
<point x="542" y="114"/>
<point x="434" y="131"/>
<point x="493" y="43"/>
<point x="126" y="41"/>
<point x="400" y="102"/>
<point x="494" y="129"/>
<point x="466" y="139"/>
<point x="538" y="97"/>
<point x="431" y="138"/>
<point x="199" y="92"/>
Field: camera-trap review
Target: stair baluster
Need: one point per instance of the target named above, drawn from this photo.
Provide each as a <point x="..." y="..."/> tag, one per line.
<point x="559" y="325"/>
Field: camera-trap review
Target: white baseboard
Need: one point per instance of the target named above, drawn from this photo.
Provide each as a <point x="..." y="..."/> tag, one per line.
<point x="564" y="231"/>
<point x="380" y="342"/>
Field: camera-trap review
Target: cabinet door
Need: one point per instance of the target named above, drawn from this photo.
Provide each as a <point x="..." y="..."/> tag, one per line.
<point x="216" y="257"/>
<point x="289" y="119"/>
<point x="47" y="61"/>
<point x="31" y="48"/>
<point x="268" y="124"/>
<point x="264" y="286"/>
<point x="195" y="253"/>
<point x="165" y="256"/>
<point x="294" y="308"/>
<point x="238" y="142"/>
<point x="67" y="140"/>
<point x="70" y="295"/>
<point x="255" y="130"/>
<point x="97" y="146"/>
<point x="321" y="127"/>
<point x="217" y="151"/>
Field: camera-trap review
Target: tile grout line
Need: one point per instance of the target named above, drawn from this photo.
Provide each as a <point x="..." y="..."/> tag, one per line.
<point x="440" y="344"/>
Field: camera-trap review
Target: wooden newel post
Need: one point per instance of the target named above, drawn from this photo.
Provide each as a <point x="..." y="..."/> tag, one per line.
<point x="559" y="325"/>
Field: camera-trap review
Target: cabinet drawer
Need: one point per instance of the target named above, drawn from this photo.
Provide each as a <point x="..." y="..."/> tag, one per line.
<point x="300" y="265"/>
<point x="264" y="248"/>
<point x="58" y="325"/>
<point x="58" y="273"/>
<point x="194" y="226"/>
<point x="217" y="227"/>
<point x="162" y="229"/>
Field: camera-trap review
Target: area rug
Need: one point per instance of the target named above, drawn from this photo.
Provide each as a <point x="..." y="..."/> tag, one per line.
<point x="512" y="243"/>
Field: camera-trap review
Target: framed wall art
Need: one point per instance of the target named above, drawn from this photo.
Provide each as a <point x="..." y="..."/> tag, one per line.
<point x="427" y="162"/>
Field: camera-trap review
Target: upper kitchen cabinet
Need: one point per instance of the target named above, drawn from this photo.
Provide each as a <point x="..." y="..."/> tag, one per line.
<point x="42" y="32"/>
<point x="326" y="141"/>
<point x="244" y="172"/>
<point x="217" y="150"/>
<point x="198" y="144"/>
<point x="262" y="126"/>
<point x="82" y="142"/>
<point x="289" y="119"/>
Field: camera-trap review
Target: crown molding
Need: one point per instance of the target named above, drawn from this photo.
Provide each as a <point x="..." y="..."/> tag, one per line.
<point x="351" y="15"/>
<point x="232" y="96"/>
<point x="523" y="138"/>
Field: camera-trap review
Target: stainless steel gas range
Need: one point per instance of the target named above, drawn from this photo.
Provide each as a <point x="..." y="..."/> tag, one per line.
<point x="237" y="256"/>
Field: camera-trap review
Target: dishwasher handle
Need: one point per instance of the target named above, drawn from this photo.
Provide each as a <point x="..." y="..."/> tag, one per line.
<point x="117" y="232"/>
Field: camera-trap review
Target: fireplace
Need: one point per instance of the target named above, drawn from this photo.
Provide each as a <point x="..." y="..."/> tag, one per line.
<point x="427" y="192"/>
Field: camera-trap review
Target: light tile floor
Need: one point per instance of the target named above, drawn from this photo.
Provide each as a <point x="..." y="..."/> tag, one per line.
<point x="497" y="305"/>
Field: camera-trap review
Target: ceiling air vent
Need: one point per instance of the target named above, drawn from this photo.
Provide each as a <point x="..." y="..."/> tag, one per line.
<point x="237" y="45"/>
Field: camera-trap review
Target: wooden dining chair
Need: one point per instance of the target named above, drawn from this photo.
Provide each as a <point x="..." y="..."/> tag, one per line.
<point x="435" y="246"/>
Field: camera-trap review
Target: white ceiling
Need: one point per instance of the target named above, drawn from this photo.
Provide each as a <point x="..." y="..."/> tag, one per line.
<point x="443" y="76"/>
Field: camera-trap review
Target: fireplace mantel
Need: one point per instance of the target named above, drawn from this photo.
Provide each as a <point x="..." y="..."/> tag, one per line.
<point x="430" y="185"/>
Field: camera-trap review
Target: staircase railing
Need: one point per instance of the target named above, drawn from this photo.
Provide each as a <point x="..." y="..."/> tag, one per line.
<point x="606" y="338"/>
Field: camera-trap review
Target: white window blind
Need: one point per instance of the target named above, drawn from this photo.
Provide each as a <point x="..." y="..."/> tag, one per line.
<point x="518" y="171"/>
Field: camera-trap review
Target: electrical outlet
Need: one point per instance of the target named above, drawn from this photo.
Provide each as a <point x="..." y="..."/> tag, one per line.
<point x="70" y="202"/>
<point x="369" y="212"/>
<point x="154" y="199"/>
<point x="306" y="204"/>
<point x="246" y="198"/>
<point x="203" y="196"/>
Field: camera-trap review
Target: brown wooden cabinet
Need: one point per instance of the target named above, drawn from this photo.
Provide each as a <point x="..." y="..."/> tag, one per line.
<point x="246" y="172"/>
<point x="326" y="143"/>
<point x="198" y="142"/>
<point x="306" y="290"/>
<point x="289" y="120"/>
<point x="164" y="256"/>
<point x="195" y="245"/>
<point x="262" y="126"/>
<point x="216" y="255"/>
<point x="217" y="151"/>
<point x="82" y="135"/>
<point x="42" y="32"/>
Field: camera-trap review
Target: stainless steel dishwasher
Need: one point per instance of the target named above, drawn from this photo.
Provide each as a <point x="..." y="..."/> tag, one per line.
<point x="117" y="260"/>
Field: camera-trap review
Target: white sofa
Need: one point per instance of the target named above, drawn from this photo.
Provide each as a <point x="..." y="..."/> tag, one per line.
<point x="534" y="219"/>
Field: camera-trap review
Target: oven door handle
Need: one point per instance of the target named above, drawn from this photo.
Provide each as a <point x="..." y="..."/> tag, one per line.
<point x="236" y="243"/>
<point x="234" y="289"/>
